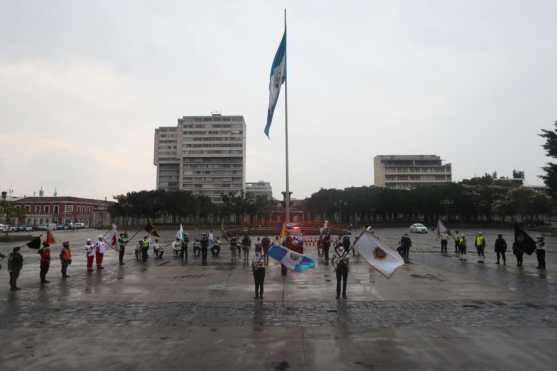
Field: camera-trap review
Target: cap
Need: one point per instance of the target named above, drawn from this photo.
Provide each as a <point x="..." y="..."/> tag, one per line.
<point x="66" y="244"/>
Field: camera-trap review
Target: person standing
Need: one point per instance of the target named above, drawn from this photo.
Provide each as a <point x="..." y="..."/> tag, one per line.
<point x="65" y="258"/>
<point x="258" y="268"/>
<point x="444" y="241"/>
<point x="100" y="249"/>
<point x="479" y="242"/>
<point x="145" y="249"/>
<point x="462" y="247"/>
<point x="177" y="247"/>
<point x="540" y="252"/>
<point x="246" y="245"/>
<point x="185" y="241"/>
<point x="215" y="248"/>
<point x="233" y="249"/>
<point x="15" y="263"/>
<point x="518" y="253"/>
<point x="44" y="252"/>
<point x="122" y="242"/>
<point x="457" y="243"/>
<point x="405" y="244"/>
<point x="500" y="249"/>
<point x="341" y="270"/>
<point x="90" y="254"/>
<point x="204" y="247"/>
<point x="266" y="245"/>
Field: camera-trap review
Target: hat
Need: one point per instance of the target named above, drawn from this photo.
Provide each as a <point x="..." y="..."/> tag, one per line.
<point x="66" y="244"/>
<point x="88" y="240"/>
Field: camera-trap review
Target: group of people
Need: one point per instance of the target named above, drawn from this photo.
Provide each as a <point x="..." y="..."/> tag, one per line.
<point x="499" y="247"/>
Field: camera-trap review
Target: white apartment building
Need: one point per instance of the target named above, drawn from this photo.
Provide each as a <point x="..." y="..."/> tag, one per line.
<point x="202" y="154"/>
<point x="410" y="171"/>
<point x="259" y="189"/>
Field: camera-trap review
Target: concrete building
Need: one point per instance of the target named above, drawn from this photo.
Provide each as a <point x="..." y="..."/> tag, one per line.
<point x="259" y="189"/>
<point x="202" y="154"/>
<point x="410" y="171"/>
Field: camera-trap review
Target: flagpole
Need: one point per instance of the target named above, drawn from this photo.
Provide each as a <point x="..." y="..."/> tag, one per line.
<point x="287" y="194"/>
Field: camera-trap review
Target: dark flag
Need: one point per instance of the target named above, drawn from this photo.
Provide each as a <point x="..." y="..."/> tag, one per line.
<point x="35" y="243"/>
<point x="523" y="241"/>
<point x="151" y="230"/>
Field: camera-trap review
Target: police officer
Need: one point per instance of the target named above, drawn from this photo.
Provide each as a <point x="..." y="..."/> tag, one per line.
<point x="204" y="247"/>
<point x="518" y="253"/>
<point x="405" y="244"/>
<point x="122" y="242"/>
<point x="462" y="247"/>
<point x="44" y="252"/>
<point x="258" y="268"/>
<point x="185" y="241"/>
<point x="215" y="249"/>
<point x="15" y="263"/>
<point x="540" y="252"/>
<point x="233" y="249"/>
<point x="479" y="242"/>
<point x="266" y="245"/>
<point x="457" y="243"/>
<point x="246" y="244"/>
<point x="342" y="263"/>
<point x="500" y="249"/>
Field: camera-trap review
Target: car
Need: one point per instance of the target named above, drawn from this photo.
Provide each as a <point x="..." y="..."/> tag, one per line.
<point x="418" y="228"/>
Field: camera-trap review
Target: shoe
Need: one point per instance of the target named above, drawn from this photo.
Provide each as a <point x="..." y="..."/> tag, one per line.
<point x="14" y="289"/>
<point x="99" y="268"/>
<point x="344" y="296"/>
<point x="496" y="262"/>
<point x="338" y="297"/>
<point x="261" y="297"/>
<point x="256" y="297"/>
<point x="122" y="263"/>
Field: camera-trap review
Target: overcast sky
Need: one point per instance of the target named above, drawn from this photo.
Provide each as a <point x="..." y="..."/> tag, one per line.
<point x="83" y="84"/>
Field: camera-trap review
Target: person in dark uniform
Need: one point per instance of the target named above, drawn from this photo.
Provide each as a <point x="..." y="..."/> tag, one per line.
<point x="15" y="263"/>
<point x="204" y="243"/>
<point x="540" y="252"/>
<point x="184" y="242"/>
<point x="326" y="246"/>
<point x="342" y="263"/>
<point x="44" y="252"/>
<point x="122" y="242"/>
<point x="518" y="253"/>
<point x="457" y="243"/>
<point x="500" y="249"/>
<point x="258" y="268"/>
<point x="405" y="244"/>
<point x="196" y="248"/>
<point x="246" y="244"/>
<point x="233" y="249"/>
<point x="266" y="245"/>
<point x="145" y="249"/>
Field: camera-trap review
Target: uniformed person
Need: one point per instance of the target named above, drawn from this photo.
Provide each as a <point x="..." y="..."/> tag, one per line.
<point x="405" y="244"/>
<point x="342" y="262"/>
<point x="518" y="253"/>
<point x="15" y="263"/>
<point x="500" y="249"/>
<point x="540" y="252"/>
<point x="44" y="252"/>
<point x="65" y="258"/>
<point x="258" y="268"/>
<point x="246" y="245"/>
<point x="233" y="249"/>
<point x="204" y="247"/>
<point x="462" y="247"/>
<point x="122" y="242"/>
<point x="266" y="245"/>
<point x="479" y="243"/>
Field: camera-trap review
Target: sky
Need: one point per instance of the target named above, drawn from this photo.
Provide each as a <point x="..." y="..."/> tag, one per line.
<point x="83" y="85"/>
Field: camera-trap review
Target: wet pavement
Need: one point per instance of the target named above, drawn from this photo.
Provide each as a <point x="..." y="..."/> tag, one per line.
<point x="437" y="313"/>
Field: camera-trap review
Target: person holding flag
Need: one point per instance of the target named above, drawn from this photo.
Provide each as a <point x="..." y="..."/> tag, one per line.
<point x="100" y="249"/>
<point x="341" y="261"/>
<point x="90" y="254"/>
<point x="122" y="242"/>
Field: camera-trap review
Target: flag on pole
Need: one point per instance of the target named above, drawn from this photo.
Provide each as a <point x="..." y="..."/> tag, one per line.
<point x="283" y="232"/>
<point x="111" y="237"/>
<point x="35" y="243"/>
<point x="180" y="233"/>
<point x="50" y="237"/>
<point x="382" y="258"/>
<point x="278" y="76"/>
<point x="523" y="240"/>
<point x="151" y="230"/>
<point x="441" y="229"/>
<point x="291" y="259"/>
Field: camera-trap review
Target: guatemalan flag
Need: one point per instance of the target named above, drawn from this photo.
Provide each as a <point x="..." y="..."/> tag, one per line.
<point x="278" y="77"/>
<point x="291" y="259"/>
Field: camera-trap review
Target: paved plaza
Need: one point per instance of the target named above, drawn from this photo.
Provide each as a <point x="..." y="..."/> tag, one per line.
<point x="435" y="314"/>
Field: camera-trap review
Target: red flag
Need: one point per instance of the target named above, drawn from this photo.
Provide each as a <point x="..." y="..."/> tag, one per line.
<point x="50" y="238"/>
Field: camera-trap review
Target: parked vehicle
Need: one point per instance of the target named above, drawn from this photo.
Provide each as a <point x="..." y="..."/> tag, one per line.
<point x="418" y="228"/>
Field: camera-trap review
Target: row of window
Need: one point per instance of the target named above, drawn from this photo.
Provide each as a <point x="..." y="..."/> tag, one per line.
<point x="47" y="209"/>
<point x="213" y="145"/>
<point x="213" y="132"/>
<point x="212" y="152"/>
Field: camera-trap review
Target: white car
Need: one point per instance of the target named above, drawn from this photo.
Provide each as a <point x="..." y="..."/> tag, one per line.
<point x="418" y="228"/>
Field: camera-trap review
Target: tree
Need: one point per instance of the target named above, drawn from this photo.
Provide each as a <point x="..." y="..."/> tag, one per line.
<point x="550" y="146"/>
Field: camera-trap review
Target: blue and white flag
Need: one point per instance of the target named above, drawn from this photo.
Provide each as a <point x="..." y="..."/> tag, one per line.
<point x="291" y="259"/>
<point x="278" y="76"/>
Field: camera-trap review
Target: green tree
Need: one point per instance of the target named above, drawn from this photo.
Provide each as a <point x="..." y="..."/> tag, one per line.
<point x="550" y="146"/>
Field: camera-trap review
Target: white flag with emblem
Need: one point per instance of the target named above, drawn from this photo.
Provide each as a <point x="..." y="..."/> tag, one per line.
<point x="382" y="258"/>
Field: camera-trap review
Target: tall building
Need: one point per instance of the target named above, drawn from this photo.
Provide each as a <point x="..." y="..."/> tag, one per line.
<point x="202" y="154"/>
<point x="410" y="171"/>
<point x="259" y="189"/>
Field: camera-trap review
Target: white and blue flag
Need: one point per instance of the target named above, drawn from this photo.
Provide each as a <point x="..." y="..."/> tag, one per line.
<point x="291" y="259"/>
<point x="278" y="76"/>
